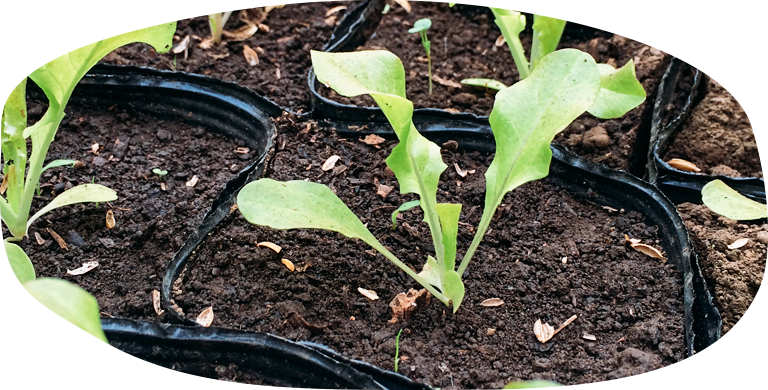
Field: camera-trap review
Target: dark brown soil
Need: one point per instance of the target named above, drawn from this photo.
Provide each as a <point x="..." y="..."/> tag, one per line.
<point x="717" y="137"/>
<point x="152" y="223"/>
<point x="281" y="74"/>
<point x="733" y="275"/>
<point x="652" y="6"/>
<point x="708" y="10"/>
<point x="463" y="46"/>
<point x="630" y="302"/>
<point x="27" y="370"/>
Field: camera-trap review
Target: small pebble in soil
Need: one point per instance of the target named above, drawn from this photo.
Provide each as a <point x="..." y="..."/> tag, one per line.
<point x="75" y="239"/>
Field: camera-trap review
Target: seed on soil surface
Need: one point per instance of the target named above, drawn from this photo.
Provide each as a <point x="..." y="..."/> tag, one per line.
<point x="405" y="4"/>
<point x="564" y="260"/>
<point x="241" y="33"/>
<point x="544" y="332"/>
<point x="373" y="139"/>
<point x="242" y="150"/>
<point x="251" y="58"/>
<point x="352" y="318"/>
<point x="192" y="181"/>
<point x="370" y="294"/>
<point x="156" y="302"/>
<point x="589" y="337"/>
<point x="330" y="163"/>
<point x="182" y="46"/>
<point x="277" y="73"/>
<point x="500" y="41"/>
<point x="288" y="264"/>
<point x="95" y="148"/>
<point x="205" y="318"/>
<point x="87" y="266"/>
<point x="110" y="219"/>
<point x="39" y="239"/>
<point x="206" y="43"/>
<point x="492" y="302"/>
<point x="270" y="245"/>
<point x="335" y="10"/>
<point x="738" y="243"/>
<point x="58" y="239"/>
<point x="445" y="82"/>
<point x="163" y="187"/>
<point x="648" y="250"/>
<point x="490" y="331"/>
<point x="4" y="186"/>
<point x="462" y="172"/>
<point x="683" y="165"/>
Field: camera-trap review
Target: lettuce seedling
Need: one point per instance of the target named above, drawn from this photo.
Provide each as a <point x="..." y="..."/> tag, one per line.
<point x="68" y="316"/>
<point x="525" y="119"/>
<point x="56" y="60"/>
<point x="620" y="91"/>
<point x="159" y="172"/>
<point x="216" y="22"/>
<point x="726" y="201"/>
<point x="421" y="26"/>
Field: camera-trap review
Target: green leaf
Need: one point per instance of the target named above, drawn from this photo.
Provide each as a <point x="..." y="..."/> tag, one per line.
<point x="485" y="83"/>
<point x="68" y="316"/>
<point x="14" y="146"/>
<point x="525" y="119"/>
<point x="620" y="92"/>
<point x="726" y="201"/>
<point x="57" y="163"/>
<point x="431" y="272"/>
<point x="421" y="25"/>
<point x="546" y="36"/>
<point x="453" y="288"/>
<point x="511" y="24"/>
<point x="159" y="172"/>
<point x="57" y="59"/>
<point x="757" y="10"/>
<point x="534" y="384"/>
<point x="79" y="194"/>
<point x="403" y="207"/>
<point x="20" y="264"/>
<point x="449" y="221"/>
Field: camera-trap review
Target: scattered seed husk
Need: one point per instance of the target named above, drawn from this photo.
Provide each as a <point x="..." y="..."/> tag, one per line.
<point x="277" y="73"/>
<point x="373" y="139"/>
<point x="461" y="172"/>
<point x="632" y="240"/>
<point x="205" y="319"/>
<point x="241" y="33"/>
<point x="271" y="7"/>
<point x="87" y="266"/>
<point x="330" y="163"/>
<point x="490" y="331"/>
<point x="492" y="302"/>
<point x="110" y="219"/>
<point x="206" y="43"/>
<point x="500" y="41"/>
<point x="303" y="268"/>
<point x="233" y="208"/>
<point x="611" y="209"/>
<point x="544" y="332"/>
<point x="218" y="56"/>
<point x="4" y="186"/>
<point x="192" y="181"/>
<point x="738" y="243"/>
<point x="58" y="239"/>
<point x="648" y="250"/>
<point x="445" y="82"/>
<point x="156" y="302"/>
<point x="288" y="264"/>
<point x="620" y="340"/>
<point x="39" y="239"/>
<point x="383" y="190"/>
<point x="683" y="165"/>
<point x="296" y="320"/>
<point x="270" y="245"/>
<point x="95" y="148"/>
<point x="405" y="4"/>
<point x="252" y="58"/>
<point x="405" y="303"/>
<point x="370" y="294"/>
<point x="335" y="10"/>
<point x="263" y="27"/>
<point x="564" y="260"/>
<point x="589" y="337"/>
<point x="182" y="46"/>
<point x="242" y="150"/>
<point x="163" y="187"/>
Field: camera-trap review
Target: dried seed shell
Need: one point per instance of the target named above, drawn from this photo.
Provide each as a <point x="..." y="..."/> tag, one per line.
<point x="110" y="219"/>
<point x="270" y="245"/>
<point x="492" y="302"/>
<point x="87" y="266"/>
<point x="648" y="250"/>
<point x="330" y="163"/>
<point x="373" y="139"/>
<point x="462" y="172"/>
<point x="288" y="264"/>
<point x="241" y="33"/>
<point x="156" y="302"/>
<point x="589" y="337"/>
<point x="500" y="41"/>
<point x="370" y="294"/>
<point x="383" y="190"/>
<point x="191" y="183"/>
<point x="335" y="10"/>
<point x="4" y="186"/>
<point x="683" y="165"/>
<point x="182" y="46"/>
<point x="39" y="239"/>
<point x="252" y="58"/>
<point x="543" y="332"/>
<point x="58" y="239"/>
<point x="738" y="243"/>
<point x="205" y="318"/>
<point x="405" y="4"/>
<point x="445" y="82"/>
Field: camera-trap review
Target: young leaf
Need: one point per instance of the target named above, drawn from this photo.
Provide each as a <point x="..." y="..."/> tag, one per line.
<point x="449" y="221"/>
<point x="511" y="24"/>
<point x="403" y="207"/>
<point x="484" y="83"/>
<point x="525" y="119"/>
<point x="430" y="272"/>
<point x="79" y="194"/>
<point x="757" y="10"/>
<point x="57" y="163"/>
<point x="14" y="146"/>
<point x="726" y="201"/>
<point x="620" y="92"/>
<point x="453" y="288"/>
<point x="421" y="25"/>
<point x="68" y="316"/>
<point x="300" y="204"/>
<point x="20" y="264"/>
<point x="546" y="36"/>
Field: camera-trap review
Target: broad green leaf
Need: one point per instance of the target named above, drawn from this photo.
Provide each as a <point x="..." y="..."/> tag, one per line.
<point x="511" y="24"/>
<point x="421" y="25"/>
<point x="68" y="316"/>
<point x="726" y="201"/>
<point x="546" y="36"/>
<point x="403" y="207"/>
<point x="757" y="10"/>
<point x="453" y="288"/>
<point x="57" y="163"/>
<point x="620" y="92"/>
<point x="57" y="59"/>
<point x="20" y="264"/>
<point x="430" y="272"/>
<point x="449" y="221"/>
<point x="416" y="161"/>
<point x="79" y="194"/>
<point x="484" y="83"/>
<point x="14" y="146"/>
<point x="534" y="384"/>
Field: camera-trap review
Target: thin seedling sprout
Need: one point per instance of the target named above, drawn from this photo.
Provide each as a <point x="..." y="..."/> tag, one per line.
<point x="421" y="26"/>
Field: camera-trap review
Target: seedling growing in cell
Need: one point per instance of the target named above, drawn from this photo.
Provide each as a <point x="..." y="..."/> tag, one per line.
<point x="159" y="172"/>
<point x="397" y="349"/>
<point x="56" y="60"/>
<point x="421" y="26"/>
<point x="216" y="22"/>
<point x="620" y="91"/>
<point x="525" y="119"/>
<point x="726" y="201"/>
<point x="68" y="316"/>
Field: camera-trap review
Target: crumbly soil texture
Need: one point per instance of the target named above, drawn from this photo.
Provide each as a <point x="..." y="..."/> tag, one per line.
<point x="282" y="46"/>
<point x="708" y="10"/>
<point x="733" y="274"/>
<point x="650" y="6"/>
<point x="717" y="137"/>
<point x="154" y="214"/>
<point x="463" y="45"/>
<point x="547" y="255"/>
